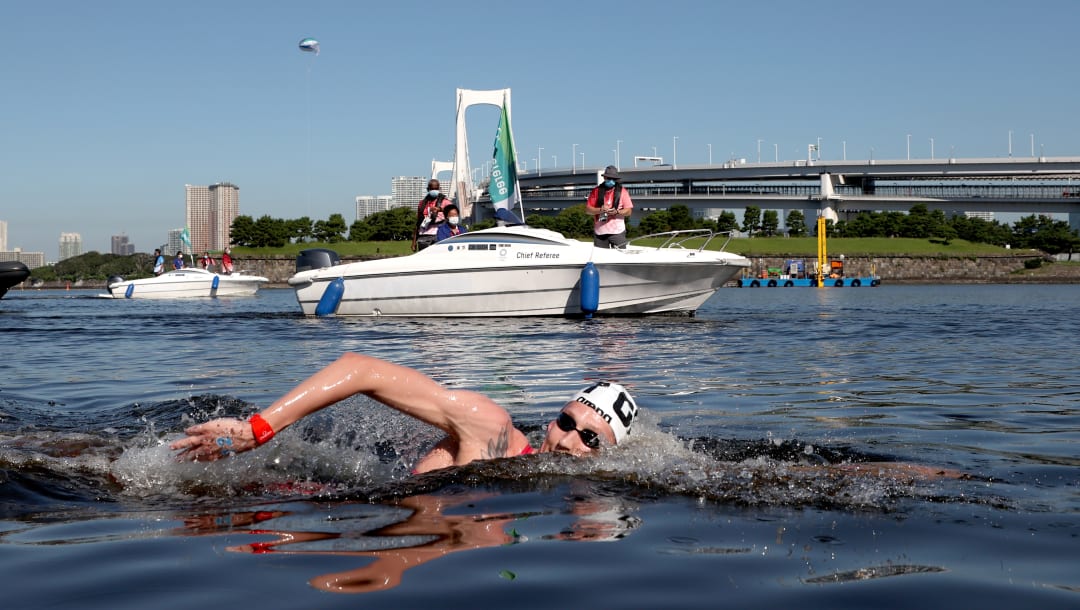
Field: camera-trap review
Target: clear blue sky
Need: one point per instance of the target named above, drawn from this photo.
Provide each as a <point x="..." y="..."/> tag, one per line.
<point x="110" y="107"/>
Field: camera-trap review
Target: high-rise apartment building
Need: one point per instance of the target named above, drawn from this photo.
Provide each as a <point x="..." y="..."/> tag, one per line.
<point x="225" y="207"/>
<point x="121" y="246"/>
<point x="70" y="245"/>
<point x="366" y="205"/>
<point x="175" y="244"/>
<point x="210" y="212"/>
<point x="3" y="235"/>
<point x="408" y="190"/>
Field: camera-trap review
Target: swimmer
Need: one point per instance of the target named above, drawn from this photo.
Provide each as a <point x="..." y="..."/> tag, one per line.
<point x="476" y="427"/>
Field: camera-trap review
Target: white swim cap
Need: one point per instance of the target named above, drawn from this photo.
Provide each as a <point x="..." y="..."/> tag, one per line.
<point x="613" y="403"/>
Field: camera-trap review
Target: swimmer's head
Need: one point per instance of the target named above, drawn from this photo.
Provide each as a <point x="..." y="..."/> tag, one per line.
<point x="612" y="403"/>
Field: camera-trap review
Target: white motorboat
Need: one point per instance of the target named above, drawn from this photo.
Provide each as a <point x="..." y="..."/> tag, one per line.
<point x="186" y="284"/>
<point x="518" y="271"/>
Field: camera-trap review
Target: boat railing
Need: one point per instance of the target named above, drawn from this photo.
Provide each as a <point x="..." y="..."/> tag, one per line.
<point x="677" y="239"/>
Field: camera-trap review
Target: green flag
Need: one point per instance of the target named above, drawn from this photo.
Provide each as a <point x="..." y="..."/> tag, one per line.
<point x="503" y="187"/>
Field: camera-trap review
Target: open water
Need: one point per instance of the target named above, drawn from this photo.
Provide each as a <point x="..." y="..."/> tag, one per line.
<point x="741" y="486"/>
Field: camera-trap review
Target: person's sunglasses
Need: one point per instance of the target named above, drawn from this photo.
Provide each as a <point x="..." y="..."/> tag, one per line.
<point x="566" y="423"/>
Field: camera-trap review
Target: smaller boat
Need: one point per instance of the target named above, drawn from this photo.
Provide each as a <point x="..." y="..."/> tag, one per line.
<point x="12" y="273"/>
<point x="191" y="283"/>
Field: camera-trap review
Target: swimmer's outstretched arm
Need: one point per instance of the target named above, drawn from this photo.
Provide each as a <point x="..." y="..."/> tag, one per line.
<point x="477" y="428"/>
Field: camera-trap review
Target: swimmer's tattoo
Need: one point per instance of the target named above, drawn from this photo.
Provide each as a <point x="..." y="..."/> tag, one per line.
<point x="498" y="446"/>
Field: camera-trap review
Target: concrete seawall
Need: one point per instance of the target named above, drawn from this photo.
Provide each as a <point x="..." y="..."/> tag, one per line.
<point x="897" y="269"/>
<point x="1004" y="269"/>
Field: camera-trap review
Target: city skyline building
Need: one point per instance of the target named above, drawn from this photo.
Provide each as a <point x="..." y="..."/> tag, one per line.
<point x="32" y="260"/>
<point x="209" y="214"/>
<point x="225" y="207"/>
<point x="196" y="218"/>
<point x="408" y="190"/>
<point x="121" y="246"/>
<point x="3" y="235"/>
<point x="366" y="205"/>
<point x="175" y="244"/>
<point x="70" y="245"/>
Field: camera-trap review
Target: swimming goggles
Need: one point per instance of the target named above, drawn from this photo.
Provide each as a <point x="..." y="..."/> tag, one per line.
<point x="566" y="423"/>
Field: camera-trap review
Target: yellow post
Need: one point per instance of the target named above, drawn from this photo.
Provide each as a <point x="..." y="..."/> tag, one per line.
<point x="823" y="257"/>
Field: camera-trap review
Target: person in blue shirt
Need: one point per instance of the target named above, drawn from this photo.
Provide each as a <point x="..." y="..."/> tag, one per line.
<point x="178" y="262"/>
<point x="452" y="225"/>
<point x="159" y="262"/>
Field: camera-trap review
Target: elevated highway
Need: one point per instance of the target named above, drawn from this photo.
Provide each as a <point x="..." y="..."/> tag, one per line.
<point x="1034" y="185"/>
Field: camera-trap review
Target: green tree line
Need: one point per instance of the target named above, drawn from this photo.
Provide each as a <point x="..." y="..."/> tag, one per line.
<point x="1035" y="231"/>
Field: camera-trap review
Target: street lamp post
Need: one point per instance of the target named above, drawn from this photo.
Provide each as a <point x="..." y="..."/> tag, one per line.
<point x="674" y="152"/>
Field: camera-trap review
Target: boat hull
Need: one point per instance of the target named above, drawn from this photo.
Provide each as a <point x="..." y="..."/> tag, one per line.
<point x="520" y="273"/>
<point x="12" y="273"/>
<point x="187" y="284"/>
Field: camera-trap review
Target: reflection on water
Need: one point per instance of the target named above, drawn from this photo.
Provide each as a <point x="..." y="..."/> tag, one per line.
<point x="414" y="530"/>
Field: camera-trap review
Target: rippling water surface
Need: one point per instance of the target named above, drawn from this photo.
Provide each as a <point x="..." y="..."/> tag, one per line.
<point x="755" y="476"/>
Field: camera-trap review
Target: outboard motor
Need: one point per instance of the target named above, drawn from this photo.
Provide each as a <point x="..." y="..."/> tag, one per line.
<point x="316" y="258"/>
<point x="113" y="279"/>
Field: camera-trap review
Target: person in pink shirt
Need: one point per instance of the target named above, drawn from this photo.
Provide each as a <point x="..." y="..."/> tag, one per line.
<point x="609" y="204"/>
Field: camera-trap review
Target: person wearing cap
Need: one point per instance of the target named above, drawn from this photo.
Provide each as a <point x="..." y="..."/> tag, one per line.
<point x="429" y="215"/>
<point x="476" y="427"/>
<point x="609" y="204"/>
<point x="226" y="262"/>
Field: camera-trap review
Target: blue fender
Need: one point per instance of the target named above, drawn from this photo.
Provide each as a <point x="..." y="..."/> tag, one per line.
<point x="330" y="299"/>
<point x="130" y="291"/>
<point x="590" y="289"/>
<point x="214" y="286"/>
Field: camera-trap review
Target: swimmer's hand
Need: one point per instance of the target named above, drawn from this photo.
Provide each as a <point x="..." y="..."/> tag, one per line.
<point x="214" y="440"/>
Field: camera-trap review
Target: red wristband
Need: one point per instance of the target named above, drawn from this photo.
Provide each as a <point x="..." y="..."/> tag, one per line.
<point x="262" y="430"/>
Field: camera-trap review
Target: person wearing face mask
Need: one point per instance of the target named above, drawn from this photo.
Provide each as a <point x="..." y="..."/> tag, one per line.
<point x="452" y="226"/>
<point x="429" y="215"/>
<point x="609" y="204"/>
